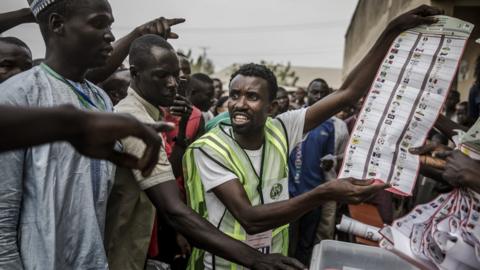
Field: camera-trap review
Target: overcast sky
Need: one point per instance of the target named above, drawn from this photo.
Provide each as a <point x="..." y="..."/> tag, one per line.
<point x="306" y="32"/>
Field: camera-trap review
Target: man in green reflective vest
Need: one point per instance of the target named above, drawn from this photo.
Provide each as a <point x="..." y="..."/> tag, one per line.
<point x="236" y="175"/>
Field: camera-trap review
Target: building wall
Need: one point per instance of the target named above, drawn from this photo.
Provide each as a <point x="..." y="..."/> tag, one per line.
<point x="372" y="16"/>
<point x="369" y="20"/>
<point x="472" y="51"/>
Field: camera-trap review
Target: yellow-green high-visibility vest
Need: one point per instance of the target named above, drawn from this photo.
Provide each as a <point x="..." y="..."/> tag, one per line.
<point x="270" y="186"/>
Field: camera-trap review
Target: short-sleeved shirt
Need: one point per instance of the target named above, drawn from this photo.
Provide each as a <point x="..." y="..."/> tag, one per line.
<point x="305" y="172"/>
<point x="341" y="136"/>
<point x="214" y="175"/>
<point x="54" y="197"/>
<point x="130" y="214"/>
<point x="141" y="109"/>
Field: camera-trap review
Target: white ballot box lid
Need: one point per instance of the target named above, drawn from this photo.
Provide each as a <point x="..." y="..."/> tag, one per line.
<point x="337" y="255"/>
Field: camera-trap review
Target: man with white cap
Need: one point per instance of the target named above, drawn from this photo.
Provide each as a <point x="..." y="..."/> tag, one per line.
<point x="54" y="197"/>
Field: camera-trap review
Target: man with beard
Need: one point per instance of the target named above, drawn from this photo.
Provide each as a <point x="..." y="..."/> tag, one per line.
<point x="131" y="209"/>
<point x="54" y="197"/>
<point x="236" y="175"/>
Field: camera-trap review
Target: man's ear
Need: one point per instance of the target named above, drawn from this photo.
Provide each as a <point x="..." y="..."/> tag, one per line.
<point x="56" y="24"/>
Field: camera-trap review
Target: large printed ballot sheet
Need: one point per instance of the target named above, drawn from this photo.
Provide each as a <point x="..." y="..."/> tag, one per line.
<point x="404" y="101"/>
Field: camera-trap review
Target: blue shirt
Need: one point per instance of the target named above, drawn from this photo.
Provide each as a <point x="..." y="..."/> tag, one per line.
<point x="304" y="162"/>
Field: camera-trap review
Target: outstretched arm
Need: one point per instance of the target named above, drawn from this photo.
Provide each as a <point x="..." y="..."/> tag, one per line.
<point x="203" y="234"/>
<point x="358" y="81"/>
<point x="256" y="219"/>
<point x="11" y="19"/>
<point x="160" y="26"/>
<point x="92" y="134"/>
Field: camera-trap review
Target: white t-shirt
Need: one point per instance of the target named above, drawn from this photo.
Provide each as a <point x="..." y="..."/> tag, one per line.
<point x="341" y="136"/>
<point x="341" y="142"/>
<point x="214" y="175"/>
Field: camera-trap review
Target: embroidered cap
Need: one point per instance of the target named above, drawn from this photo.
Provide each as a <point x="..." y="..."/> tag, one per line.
<point x="38" y="5"/>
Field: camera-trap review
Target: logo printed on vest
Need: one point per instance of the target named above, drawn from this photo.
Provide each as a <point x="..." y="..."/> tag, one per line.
<point x="276" y="191"/>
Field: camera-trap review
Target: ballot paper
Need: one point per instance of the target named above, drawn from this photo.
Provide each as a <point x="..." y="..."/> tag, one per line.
<point x="441" y="234"/>
<point x="470" y="141"/>
<point x="358" y="228"/>
<point x="444" y="233"/>
<point x="403" y="103"/>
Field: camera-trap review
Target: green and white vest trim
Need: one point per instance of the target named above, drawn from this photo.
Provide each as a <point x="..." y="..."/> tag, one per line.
<point x="268" y="187"/>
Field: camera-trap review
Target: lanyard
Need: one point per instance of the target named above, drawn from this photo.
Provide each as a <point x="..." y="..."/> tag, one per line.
<point x="259" y="176"/>
<point x="82" y="97"/>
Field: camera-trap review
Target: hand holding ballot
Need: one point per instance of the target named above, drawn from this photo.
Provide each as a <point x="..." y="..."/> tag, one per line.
<point x="415" y="17"/>
<point x="352" y="190"/>
<point x="462" y="171"/>
<point x="404" y="101"/>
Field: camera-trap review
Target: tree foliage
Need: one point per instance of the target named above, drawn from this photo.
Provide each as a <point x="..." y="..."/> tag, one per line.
<point x="201" y="64"/>
<point x="284" y="73"/>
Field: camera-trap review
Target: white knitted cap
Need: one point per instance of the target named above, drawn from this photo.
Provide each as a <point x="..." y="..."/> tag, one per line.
<point x="38" y="5"/>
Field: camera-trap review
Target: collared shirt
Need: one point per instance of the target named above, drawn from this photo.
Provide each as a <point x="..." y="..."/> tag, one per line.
<point x="130" y="214"/>
<point x="147" y="113"/>
<point x="53" y="200"/>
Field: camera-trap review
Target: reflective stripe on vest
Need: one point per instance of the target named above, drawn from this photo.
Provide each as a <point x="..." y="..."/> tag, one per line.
<point x="219" y="146"/>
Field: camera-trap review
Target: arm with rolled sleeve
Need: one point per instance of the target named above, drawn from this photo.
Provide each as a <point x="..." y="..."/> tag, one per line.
<point x="162" y="171"/>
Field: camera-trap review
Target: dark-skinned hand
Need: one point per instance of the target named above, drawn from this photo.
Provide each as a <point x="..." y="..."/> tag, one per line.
<point x="181" y="107"/>
<point x="462" y="171"/>
<point x="160" y="26"/>
<point x="352" y="191"/>
<point x="276" y="262"/>
<point x="101" y="131"/>
<point x="432" y="160"/>
<point x="431" y="154"/>
<point x="415" y="17"/>
<point x="185" y="248"/>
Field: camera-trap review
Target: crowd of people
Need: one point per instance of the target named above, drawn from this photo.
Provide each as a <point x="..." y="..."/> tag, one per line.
<point x="107" y="166"/>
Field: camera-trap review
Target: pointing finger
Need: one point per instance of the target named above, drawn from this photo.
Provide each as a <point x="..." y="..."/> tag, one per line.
<point x="175" y="21"/>
<point x="162" y="126"/>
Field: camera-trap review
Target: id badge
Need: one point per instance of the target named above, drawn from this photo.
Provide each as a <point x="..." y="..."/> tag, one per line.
<point x="260" y="241"/>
